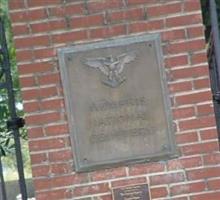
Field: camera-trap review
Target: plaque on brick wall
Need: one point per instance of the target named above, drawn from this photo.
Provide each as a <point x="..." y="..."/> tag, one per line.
<point x="133" y="192"/>
<point x="117" y="102"/>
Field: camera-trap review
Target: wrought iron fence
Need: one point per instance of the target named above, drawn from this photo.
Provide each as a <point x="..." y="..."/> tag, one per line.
<point x="214" y="59"/>
<point x="14" y="123"/>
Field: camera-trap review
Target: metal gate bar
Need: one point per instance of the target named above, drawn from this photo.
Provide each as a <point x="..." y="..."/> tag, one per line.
<point x="215" y="34"/>
<point x="3" y="195"/>
<point x="15" y="122"/>
<point x="214" y="60"/>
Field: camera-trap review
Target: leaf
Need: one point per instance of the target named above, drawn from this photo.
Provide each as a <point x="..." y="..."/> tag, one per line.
<point x="7" y="142"/>
<point x="2" y="151"/>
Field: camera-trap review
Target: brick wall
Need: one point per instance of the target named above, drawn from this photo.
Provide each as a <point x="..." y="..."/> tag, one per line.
<point x="42" y="26"/>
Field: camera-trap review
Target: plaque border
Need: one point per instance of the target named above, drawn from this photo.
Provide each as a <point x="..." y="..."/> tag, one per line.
<point x="108" y="43"/>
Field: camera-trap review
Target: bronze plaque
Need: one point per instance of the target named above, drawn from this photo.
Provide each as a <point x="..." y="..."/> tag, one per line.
<point x="117" y="103"/>
<point x="134" y="192"/>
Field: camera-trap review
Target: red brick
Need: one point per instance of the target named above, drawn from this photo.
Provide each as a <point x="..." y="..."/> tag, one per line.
<point x="191" y="72"/>
<point x="186" y="138"/>
<point x="202" y="83"/>
<point x="70" y="36"/>
<point x="43" y="3"/>
<point x="27" y="81"/>
<point x="54" y="194"/>
<point x="40" y="184"/>
<point x="163" y="9"/>
<point x="43" y="118"/>
<point x="158" y="192"/>
<point x="134" y="14"/>
<point x="205" y="109"/>
<point x="212" y="159"/>
<point x="62" y="155"/>
<point x="99" y="6"/>
<point x="75" y="9"/>
<point x="184" y="163"/>
<point x="69" y="10"/>
<point x="44" y="53"/>
<point x="52" y="104"/>
<point x="146" y="168"/>
<point x="91" y="189"/>
<point x="129" y="181"/>
<point x="39" y="171"/>
<point x="53" y="78"/>
<point x="35" y="68"/>
<point x="105" y="197"/>
<point x="108" y="174"/>
<point x="35" y="132"/>
<point x="61" y="168"/>
<point x="57" y="11"/>
<point x="198" y="58"/>
<point x="173" y="35"/>
<point x="188" y="188"/>
<point x="181" y="113"/>
<point x="180" y="87"/>
<point x="214" y="184"/>
<point x="31" y="107"/>
<point x="203" y="122"/>
<point x="24" y="55"/>
<point x="209" y="134"/>
<point x="19" y="16"/>
<point x="211" y="196"/>
<point x="18" y="4"/>
<point x="30" y="15"/>
<point x="38" y="158"/>
<point x="108" y="32"/>
<point x="192" y="5"/>
<point x="186" y="46"/>
<point x="48" y="92"/>
<point x="199" y="148"/>
<point x="37" y="14"/>
<point x="134" y="2"/>
<point x="176" y="61"/>
<point x="194" y="32"/>
<point x="34" y="41"/>
<point x="56" y="129"/>
<point x="203" y="173"/>
<point x="68" y="180"/>
<point x="39" y="93"/>
<point x="193" y="98"/>
<point x="183" y="20"/>
<point x="48" y="26"/>
<point x="30" y="94"/>
<point x="47" y="144"/>
<point x="87" y="21"/>
<point x="21" y="29"/>
<point x="145" y="26"/>
<point x="167" y="178"/>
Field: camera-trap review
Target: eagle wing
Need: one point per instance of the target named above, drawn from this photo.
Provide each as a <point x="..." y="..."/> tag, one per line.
<point x="125" y="59"/>
<point x="98" y="63"/>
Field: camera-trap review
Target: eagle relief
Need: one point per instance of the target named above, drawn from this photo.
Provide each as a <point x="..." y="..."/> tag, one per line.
<point x="112" y="67"/>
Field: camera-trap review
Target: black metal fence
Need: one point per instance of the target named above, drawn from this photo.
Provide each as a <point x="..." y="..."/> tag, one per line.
<point x="214" y="59"/>
<point x="14" y="123"/>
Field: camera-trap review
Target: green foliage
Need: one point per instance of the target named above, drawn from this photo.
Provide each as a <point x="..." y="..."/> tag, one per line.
<point x="5" y="136"/>
<point x="6" y="140"/>
<point x="7" y="150"/>
<point x="6" y="144"/>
